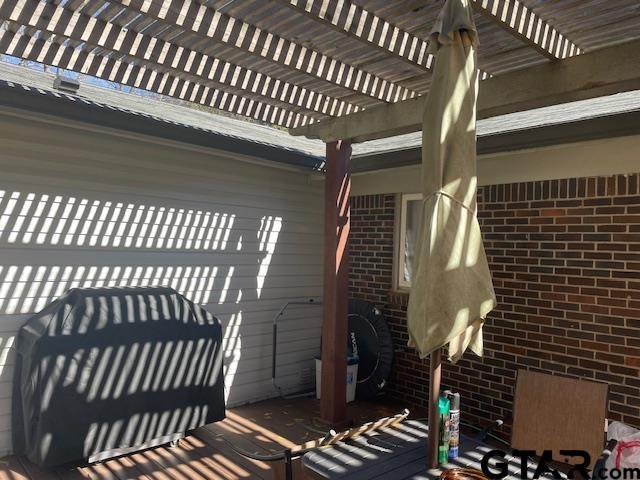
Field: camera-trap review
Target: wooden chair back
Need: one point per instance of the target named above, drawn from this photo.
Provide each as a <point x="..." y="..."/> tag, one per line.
<point x="557" y="413"/>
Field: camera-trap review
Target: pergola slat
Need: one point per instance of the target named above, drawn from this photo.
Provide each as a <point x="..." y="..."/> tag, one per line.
<point x="592" y="24"/>
<point x="351" y="20"/>
<point x="520" y="21"/>
<point x="602" y="72"/>
<point x="210" y="24"/>
<point x="355" y="22"/>
<point x="257" y="57"/>
<point x="142" y="77"/>
<point x="183" y="62"/>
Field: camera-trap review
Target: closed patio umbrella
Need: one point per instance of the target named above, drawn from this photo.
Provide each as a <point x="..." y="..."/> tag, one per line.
<point x="451" y="288"/>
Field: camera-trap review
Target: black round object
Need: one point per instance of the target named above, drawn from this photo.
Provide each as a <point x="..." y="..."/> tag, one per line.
<point x="370" y="339"/>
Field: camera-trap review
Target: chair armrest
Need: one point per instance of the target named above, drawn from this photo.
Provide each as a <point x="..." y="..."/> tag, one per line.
<point x="482" y="435"/>
<point x="599" y="465"/>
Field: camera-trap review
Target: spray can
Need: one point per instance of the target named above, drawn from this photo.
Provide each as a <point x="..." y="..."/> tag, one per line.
<point x="454" y="424"/>
<point x="443" y="441"/>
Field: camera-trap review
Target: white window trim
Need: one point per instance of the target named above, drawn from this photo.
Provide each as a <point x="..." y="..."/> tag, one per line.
<point x="405" y="198"/>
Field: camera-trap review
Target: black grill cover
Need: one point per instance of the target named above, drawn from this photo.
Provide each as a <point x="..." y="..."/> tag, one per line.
<point x="106" y="369"/>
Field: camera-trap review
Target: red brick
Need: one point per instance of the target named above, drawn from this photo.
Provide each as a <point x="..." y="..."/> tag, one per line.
<point x="569" y="297"/>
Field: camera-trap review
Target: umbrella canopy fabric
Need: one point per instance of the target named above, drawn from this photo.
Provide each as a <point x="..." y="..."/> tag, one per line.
<point x="451" y="288"/>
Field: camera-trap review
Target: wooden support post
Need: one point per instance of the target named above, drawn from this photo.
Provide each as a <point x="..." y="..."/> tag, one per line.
<point x="434" y="415"/>
<point x="333" y="403"/>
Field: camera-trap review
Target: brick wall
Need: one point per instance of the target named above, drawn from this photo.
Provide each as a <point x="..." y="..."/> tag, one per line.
<point x="371" y="247"/>
<point x="565" y="259"/>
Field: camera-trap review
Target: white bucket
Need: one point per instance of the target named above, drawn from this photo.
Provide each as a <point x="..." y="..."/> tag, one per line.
<point x="352" y="380"/>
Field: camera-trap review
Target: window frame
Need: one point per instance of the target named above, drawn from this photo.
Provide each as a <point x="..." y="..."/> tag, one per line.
<point x="405" y="198"/>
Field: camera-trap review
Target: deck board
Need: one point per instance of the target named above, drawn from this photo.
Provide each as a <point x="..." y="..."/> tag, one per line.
<point x="245" y="467"/>
<point x="209" y="459"/>
<point x="99" y="470"/>
<point x="124" y="469"/>
<point x="11" y="469"/>
<point x="171" y="466"/>
<point x="148" y="467"/>
<point x="264" y="427"/>
<point x="70" y="474"/>
<point x="37" y="473"/>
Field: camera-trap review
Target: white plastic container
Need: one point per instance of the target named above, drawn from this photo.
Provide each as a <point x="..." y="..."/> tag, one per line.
<point x="352" y="378"/>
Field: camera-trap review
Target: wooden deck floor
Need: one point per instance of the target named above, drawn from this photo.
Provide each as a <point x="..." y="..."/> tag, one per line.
<point x="260" y="428"/>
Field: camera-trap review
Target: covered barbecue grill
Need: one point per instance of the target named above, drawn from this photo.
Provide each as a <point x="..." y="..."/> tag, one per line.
<point x="102" y="371"/>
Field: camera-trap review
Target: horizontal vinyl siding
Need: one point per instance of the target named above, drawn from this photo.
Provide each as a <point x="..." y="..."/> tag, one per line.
<point x="83" y="208"/>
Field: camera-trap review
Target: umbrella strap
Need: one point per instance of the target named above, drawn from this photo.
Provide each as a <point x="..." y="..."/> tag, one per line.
<point x="445" y="194"/>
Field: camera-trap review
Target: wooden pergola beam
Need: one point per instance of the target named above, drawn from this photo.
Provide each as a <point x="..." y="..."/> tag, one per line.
<point x="602" y="72"/>
<point x="355" y="22"/>
<point x="210" y="24"/>
<point x="521" y="22"/>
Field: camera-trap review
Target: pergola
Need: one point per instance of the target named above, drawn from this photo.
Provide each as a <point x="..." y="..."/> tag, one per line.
<point x="337" y="70"/>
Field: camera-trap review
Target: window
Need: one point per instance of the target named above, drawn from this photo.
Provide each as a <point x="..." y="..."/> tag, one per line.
<point x="410" y="215"/>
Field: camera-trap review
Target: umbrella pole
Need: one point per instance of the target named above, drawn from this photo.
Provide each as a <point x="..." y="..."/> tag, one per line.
<point x="434" y="417"/>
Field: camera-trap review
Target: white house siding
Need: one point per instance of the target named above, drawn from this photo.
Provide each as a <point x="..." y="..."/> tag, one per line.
<point x="89" y="208"/>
